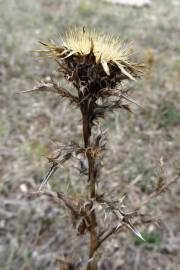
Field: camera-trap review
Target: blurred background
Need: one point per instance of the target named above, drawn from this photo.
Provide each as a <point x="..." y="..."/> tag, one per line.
<point x="34" y="232"/>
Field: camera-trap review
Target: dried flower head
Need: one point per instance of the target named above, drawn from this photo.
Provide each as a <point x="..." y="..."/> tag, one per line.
<point x="93" y="60"/>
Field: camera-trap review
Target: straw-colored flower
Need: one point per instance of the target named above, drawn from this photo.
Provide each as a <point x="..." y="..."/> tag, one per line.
<point x="90" y="52"/>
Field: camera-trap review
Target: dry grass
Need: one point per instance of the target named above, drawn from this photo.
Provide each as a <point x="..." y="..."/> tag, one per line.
<point x="33" y="231"/>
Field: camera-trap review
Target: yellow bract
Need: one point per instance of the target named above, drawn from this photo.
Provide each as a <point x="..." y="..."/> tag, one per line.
<point x="108" y="50"/>
<point x="105" y="47"/>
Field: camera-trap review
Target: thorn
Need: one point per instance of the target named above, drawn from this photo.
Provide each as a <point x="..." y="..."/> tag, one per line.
<point x="47" y="176"/>
<point x="133" y="229"/>
<point x="132" y="101"/>
<point x="42" y="43"/>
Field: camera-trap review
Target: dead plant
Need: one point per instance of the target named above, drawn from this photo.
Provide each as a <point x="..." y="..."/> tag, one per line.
<point x="96" y="65"/>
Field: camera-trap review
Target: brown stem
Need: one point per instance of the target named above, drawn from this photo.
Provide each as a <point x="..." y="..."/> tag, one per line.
<point x="91" y="175"/>
<point x="108" y="234"/>
<point x="86" y="131"/>
<point x="92" y="265"/>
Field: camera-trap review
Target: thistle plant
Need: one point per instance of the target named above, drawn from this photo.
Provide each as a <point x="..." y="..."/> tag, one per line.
<point x="96" y="65"/>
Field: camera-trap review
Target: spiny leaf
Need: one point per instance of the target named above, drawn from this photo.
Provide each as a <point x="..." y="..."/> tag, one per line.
<point x="47" y="176"/>
<point x="42" y="86"/>
<point x="124" y="71"/>
<point x="101" y="111"/>
<point x="135" y="231"/>
<point x="131" y="100"/>
<point x="53" y="48"/>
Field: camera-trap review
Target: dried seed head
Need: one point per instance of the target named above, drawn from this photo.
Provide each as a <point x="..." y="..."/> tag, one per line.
<point x="92" y="60"/>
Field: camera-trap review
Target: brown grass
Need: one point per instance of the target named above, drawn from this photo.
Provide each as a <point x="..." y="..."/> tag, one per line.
<point x="35" y="232"/>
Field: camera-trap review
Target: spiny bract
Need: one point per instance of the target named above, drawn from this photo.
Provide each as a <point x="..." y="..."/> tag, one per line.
<point x="99" y="60"/>
<point x="105" y="47"/>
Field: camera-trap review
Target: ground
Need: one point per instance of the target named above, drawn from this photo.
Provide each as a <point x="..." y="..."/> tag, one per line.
<point x="33" y="230"/>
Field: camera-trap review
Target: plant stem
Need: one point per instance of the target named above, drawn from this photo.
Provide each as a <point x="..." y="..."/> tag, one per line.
<point x="92" y="186"/>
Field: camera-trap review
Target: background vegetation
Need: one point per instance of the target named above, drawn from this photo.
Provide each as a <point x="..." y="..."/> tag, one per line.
<point x="33" y="231"/>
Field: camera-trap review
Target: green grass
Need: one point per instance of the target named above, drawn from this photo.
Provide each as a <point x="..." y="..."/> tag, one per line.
<point x="35" y="150"/>
<point x="2" y="129"/>
<point x="150" y="238"/>
<point x="170" y="116"/>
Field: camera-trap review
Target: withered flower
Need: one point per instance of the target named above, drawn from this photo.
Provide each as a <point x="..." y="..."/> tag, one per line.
<point x="93" y="60"/>
<point x="95" y="64"/>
